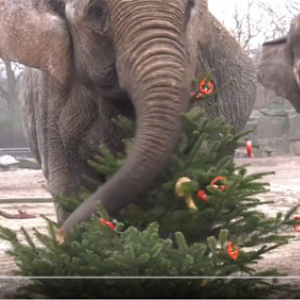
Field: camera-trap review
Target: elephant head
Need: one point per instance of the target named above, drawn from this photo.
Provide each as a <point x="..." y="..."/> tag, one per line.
<point x="279" y="67"/>
<point x="123" y="49"/>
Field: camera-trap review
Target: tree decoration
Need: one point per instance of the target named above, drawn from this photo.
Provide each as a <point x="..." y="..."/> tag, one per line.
<point x="107" y="223"/>
<point x="233" y="251"/>
<point x="297" y="227"/>
<point x="206" y="87"/>
<point x="214" y="181"/>
<point x="201" y="195"/>
<point x="181" y="191"/>
<point x="60" y="236"/>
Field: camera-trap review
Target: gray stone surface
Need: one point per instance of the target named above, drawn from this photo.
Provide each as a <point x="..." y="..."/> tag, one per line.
<point x="275" y="125"/>
<point x="272" y="127"/>
<point x="295" y="147"/>
<point x="294" y="131"/>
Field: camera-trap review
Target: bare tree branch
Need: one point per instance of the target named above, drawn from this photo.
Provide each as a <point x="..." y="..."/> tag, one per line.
<point x="20" y="215"/>
<point x="245" y="27"/>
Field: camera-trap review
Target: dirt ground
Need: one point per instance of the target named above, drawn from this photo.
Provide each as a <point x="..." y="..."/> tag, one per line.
<point x="284" y="191"/>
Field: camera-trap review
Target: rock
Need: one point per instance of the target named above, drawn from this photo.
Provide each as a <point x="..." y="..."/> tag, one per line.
<point x="273" y="146"/>
<point x="241" y="153"/>
<point x="255" y="115"/>
<point x="266" y="97"/>
<point x="7" y="160"/>
<point x="276" y="111"/>
<point x="271" y="127"/>
<point x="295" y="147"/>
<point x="252" y="124"/>
<point x="294" y="121"/>
<point x="29" y="163"/>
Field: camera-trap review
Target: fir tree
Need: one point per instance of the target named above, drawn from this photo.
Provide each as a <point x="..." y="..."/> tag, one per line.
<point x="200" y="218"/>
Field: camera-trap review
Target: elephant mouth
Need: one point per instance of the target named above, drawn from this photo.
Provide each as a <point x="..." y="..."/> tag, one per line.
<point x="123" y="104"/>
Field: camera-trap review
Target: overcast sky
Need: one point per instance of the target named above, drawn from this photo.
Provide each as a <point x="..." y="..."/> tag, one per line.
<point x="220" y="7"/>
<point x="224" y="10"/>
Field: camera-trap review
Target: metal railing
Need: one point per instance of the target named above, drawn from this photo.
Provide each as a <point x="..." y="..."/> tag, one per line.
<point x="16" y="152"/>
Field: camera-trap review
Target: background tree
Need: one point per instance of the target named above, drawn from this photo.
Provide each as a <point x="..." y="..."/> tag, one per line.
<point x="10" y="118"/>
<point x="279" y="20"/>
<point x="245" y="28"/>
<point x="253" y="22"/>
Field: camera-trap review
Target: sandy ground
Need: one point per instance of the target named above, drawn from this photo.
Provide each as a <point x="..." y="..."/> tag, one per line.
<point x="284" y="191"/>
<point x="23" y="183"/>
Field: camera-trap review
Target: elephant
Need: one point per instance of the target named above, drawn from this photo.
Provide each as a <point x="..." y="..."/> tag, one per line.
<point x="279" y="66"/>
<point x="87" y="61"/>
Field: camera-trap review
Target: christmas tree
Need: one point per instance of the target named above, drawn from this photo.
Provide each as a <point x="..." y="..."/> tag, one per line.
<point x="198" y="233"/>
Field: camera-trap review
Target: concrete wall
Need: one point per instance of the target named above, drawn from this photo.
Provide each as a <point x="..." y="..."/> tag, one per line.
<point x="275" y="125"/>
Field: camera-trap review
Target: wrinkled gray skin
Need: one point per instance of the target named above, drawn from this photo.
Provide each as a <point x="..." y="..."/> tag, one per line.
<point x="279" y="67"/>
<point x="96" y="59"/>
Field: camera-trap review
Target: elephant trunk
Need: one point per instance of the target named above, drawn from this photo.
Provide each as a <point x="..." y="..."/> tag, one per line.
<point x="153" y="72"/>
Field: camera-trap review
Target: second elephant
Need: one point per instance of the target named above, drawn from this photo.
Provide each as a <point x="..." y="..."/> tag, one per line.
<point x="279" y="67"/>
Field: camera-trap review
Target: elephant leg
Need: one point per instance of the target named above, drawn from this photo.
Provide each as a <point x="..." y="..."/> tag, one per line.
<point x="61" y="214"/>
<point x="61" y="184"/>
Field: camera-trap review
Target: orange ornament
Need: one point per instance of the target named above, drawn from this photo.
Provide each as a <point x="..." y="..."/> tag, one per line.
<point x="205" y="87"/>
<point x="213" y="183"/>
<point x="233" y="251"/>
<point x="107" y="223"/>
<point x="296" y="227"/>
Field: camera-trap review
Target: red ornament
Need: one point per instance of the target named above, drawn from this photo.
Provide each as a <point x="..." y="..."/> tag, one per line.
<point x="249" y="148"/>
<point x="192" y="95"/>
<point x="199" y="96"/>
<point x="107" y="223"/>
<point x="201" y="195"/>
<point x="233" y="251"/>
<point x="213" y="183"/>
<point x="296" y="227"/>
<point x="60" y="236"/>
<point x="205" y="87"/>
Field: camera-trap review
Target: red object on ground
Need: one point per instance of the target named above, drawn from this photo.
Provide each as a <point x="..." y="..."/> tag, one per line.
<point x="249" y="148"/>
<point x="297" y="227"/>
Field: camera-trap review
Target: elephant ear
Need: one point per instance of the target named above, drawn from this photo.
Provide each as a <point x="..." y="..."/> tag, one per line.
<point x="276" y="70"/>
<point x="36" y="37"/>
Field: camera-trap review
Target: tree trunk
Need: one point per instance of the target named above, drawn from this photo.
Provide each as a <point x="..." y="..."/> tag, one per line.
<point x="12" y="100"/>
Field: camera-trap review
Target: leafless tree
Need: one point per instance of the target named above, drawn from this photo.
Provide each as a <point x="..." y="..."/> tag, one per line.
<point x="245" y="27"/>
<point x="279" y="20"/>
<point x="10" y="74"/>
<point x="261" y="21"/>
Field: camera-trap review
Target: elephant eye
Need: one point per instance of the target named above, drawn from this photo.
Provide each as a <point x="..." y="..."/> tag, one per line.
<point x="58" y="6"/>
<point x="96" y="11"/>
<point x="191" y="3"/>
